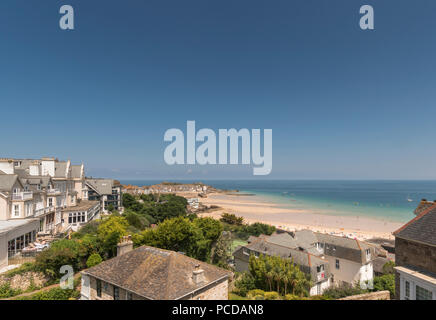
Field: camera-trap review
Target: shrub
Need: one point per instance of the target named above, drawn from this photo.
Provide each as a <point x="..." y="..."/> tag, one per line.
<point x="53" y="294"/>
<point x="255" y="292"/>
<point x="245" y="284"/>
<point x="6" y="291"/>
<point x="271" y="295"/>
<point x="93" y="260"/>
<point x="385" y="282"/>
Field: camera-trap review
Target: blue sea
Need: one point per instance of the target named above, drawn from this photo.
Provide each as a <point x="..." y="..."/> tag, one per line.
<point x="387" y="200"/>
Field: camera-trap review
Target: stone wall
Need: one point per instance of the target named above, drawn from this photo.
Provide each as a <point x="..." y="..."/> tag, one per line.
<point x="410" y="253"/>
<point x="218" y="291"/>
<point x="379" y="295"/>
<point x="25" y="280"/>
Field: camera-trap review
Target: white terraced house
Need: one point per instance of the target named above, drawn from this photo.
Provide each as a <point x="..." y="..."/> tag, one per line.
<point x="42" y="196"/>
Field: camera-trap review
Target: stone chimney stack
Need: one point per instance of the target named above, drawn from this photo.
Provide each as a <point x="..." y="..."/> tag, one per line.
<point x="125" y="245"/>
<point x="198" y="275"/>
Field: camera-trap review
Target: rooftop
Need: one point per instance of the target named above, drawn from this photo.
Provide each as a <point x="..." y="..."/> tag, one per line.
<point x="156" y="274"/>
<point x="422" y="228"/>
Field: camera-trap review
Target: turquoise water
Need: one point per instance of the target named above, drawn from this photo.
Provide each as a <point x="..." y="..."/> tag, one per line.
<point x="376" y="199"/>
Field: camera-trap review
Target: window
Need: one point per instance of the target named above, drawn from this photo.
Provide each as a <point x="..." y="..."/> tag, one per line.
<point x="423" y="294"/>
<point x="98" y="288"/>
<point x="245" y="251"/>
<point x="337" y="264"/>
<point x="320" y="268"/>
<point x="129" y="296"/>
<point x="38" y="187"/>
<point x="407" y="291"/>
<point x="16" y="210"/>
<point x="116" y="293"/>
<point x="50" y="202"/>
<point x="76" y="217"/>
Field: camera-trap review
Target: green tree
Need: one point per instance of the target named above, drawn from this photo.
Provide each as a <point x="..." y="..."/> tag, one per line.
<point x="109" y="233"/>
<point x="93" y="260"/>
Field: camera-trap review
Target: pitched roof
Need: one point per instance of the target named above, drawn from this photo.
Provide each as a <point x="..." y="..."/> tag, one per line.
<point x="422" y="228"/>
<point x="102" y="186"/>
<point x="76" y="171"/>
<point x="7" y="181"/>
<point x="60" y="169"/>
<point x="156" y="273"/>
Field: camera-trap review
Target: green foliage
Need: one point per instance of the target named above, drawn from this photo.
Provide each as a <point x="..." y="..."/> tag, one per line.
<point x="53" y="294"/>
<point x="388" y="267"/>
<point x="6" y="291"/>
<point x="343" y="291"/>
<point x="138" y="221"/>
<point x="62" y="252"/>
<point x="24" y="268"/>
<point x="156" y="207"/>
<point x="222" y="250"/>
<point x="230" y="218"/>
<point x="109" y="233"/>
<point x="271" y="295"/>
<point x="93" y="260"/>
<point x="255" y="292"/>
<point x="278" y="274"/>
<point x="194" y="238"/>
<point x="385" y="282"/>
<point x="110" y="207"/>
<point x="244" y="284"/>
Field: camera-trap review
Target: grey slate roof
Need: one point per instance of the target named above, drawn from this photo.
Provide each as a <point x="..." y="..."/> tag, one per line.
<point x="422" y="228"/>
<point x="60" y="169"/>
<point x="156" y="273"/>
<point x="7" y="181"/>
<point x="102" y="186"/>
<point x="76" y="171"/>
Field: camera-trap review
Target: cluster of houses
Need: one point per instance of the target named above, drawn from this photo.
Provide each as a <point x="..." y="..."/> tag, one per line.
<point x="198" y="188"/>
<point x="330" y="260"/>
<point x="48" y="197"/>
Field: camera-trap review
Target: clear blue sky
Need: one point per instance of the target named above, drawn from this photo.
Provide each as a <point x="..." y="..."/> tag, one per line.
<point x="343" y="103"/>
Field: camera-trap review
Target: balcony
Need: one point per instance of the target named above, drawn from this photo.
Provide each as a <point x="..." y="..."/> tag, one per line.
<point x="53" y="192"/>
<point x="43" y="211"/>
<point x="26" y="195"/>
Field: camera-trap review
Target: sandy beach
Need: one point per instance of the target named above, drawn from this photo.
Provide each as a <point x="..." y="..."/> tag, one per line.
<point x="254" y="209"/>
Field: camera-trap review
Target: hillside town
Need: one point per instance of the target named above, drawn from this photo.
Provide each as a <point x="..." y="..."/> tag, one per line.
<point x="127" y="242"/>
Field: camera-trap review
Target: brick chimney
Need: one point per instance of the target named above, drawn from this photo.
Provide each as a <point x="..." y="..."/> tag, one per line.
<point x="125" y="245"/>
<point x="198" y="275"/>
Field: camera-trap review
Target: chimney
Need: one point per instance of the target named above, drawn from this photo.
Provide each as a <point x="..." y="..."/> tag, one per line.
<point x="125" y="245"/>
<point x="198" y="275"/>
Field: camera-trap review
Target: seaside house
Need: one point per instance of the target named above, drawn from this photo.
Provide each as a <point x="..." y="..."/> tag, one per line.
<point x="415" y="255"/>
<point x="106" y="191"/>
<point x="283" y="245"/>
<point x="148" y="273"/>
<point x="40" y="197"/>
<point x="330" y="260"/>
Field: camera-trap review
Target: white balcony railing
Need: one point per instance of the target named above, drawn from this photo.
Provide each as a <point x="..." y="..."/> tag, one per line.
<point x="53" y="191"/>
<point x="25" y="195"/>
<point x="43" y="211"/>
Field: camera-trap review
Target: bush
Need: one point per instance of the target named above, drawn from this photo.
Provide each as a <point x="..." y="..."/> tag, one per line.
<point x="385" y="282"/>
<point x="255" y="292"/>
<point x="53" y="294"/>
<point x="93" y="260"/>
<point x="271" y="295"/>
<point x="342" y="291"/>
<point x="62" y="252"/>
<point x="6" y="291"/>
<point x="245" y="284"/>
<point x="230" y="218"/>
